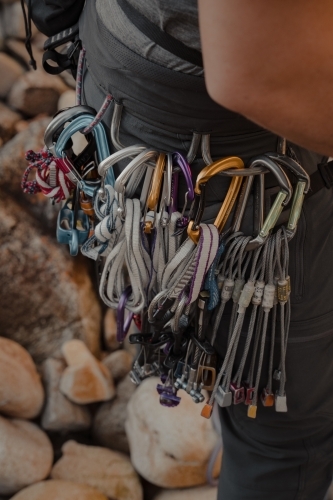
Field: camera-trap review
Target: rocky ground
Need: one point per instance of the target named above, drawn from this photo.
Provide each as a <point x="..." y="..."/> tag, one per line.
<point x="72" y="425"/>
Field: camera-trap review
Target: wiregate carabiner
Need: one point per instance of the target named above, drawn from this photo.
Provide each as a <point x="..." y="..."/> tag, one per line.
<point x="283" y="197"/>
<point x="302" y="187"/>
<point x="193" y="228"/>
<point x="184" y="167"/>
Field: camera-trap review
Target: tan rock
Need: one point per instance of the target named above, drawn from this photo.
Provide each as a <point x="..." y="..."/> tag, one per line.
<point x="119" y="363"/>
<point x="57" y="489"/>
<point x="85" y="380"/>
<point x="17" y="49"/>
<point x="46" y="297"/>
<point x="11" y="71"/>
<point x="8" y="122"/>
<point x="60" y="414"/>
<point x="108" y="471"/>
<point x="21" y="391"/>
<point x="26" y="455"/>
<point x="176" y="443"/>
<point x="36" y="92"/>
<point x="201" y="493"/>
<point x="67" y="99"/>
<point x="13" y="21"/>
<point x="109" y="421"/>
<point x="110" y="330"/>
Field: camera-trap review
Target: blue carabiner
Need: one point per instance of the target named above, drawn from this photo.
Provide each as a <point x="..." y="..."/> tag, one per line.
<point x="100" y="136"/>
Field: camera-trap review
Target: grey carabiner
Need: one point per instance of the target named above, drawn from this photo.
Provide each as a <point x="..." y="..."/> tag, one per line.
<point x="111" y="160"/>
<point x="167" y="185"/>
<point x="115" y="126"/>
<point x="192" y="152"/>
<point x="124" y="177"/>
<point x="59" y="120"/>
<point x="205" y="149"/>
<point x="283" y="197"/>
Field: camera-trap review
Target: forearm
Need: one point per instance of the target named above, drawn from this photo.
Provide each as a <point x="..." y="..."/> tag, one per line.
<point x="273" y="62"/>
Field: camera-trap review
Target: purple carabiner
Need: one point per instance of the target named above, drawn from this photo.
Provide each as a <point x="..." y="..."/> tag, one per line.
<point x="182" y="163"/>
<point x="122" y="325"/>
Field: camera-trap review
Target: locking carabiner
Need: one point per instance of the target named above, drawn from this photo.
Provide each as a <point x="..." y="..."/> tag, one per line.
<point x="59" y="121"/>
<point x="99" y="134"/>
<point x="282" y="199"/>
<point x="193" y="228"/>
<point x="302" y="187"/>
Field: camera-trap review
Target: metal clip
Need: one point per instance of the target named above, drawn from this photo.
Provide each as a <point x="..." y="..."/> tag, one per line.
<point x="223" y="397"/>
<point x="193" y="229"/>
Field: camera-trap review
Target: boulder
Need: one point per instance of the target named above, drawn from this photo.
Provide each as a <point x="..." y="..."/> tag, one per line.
<point x="26" y="455"/>
<point x="201" y="493"/>
<point x="8" y="121"/>
<point x="119" y="363"/>
<point x="108" y="471"/>
<point x="13" y="165"/>
<point x="67" y="99"/>
<point x="176" y="443"/>
<point x="110" y="330"/>
<point x="11" y="71"/>
<point x="46" y="297"/>
<point x="60" y="414"/>
<point x="85" y="380"/>
<point x="109" y="421"/>
<point x="17" y="49"/>
<point x="57" y="489"/>
<point x="21" y="391"/>
<point x="36" y="92"/>
<point x="13" y="20"/>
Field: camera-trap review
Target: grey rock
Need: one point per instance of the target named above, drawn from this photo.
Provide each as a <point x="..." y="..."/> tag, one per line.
<point x="11" y="71"/>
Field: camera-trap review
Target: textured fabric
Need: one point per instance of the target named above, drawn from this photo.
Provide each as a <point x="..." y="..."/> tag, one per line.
<point x="179" y="19"/>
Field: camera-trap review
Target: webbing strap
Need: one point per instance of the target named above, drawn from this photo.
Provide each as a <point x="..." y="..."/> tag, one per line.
<point x="161" y="38"/>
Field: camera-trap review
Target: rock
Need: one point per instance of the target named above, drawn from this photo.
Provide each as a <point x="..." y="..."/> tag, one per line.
<point x="13" y="21"/>
<point x="68" y="78"/>
<point x="17" y="49"/>
<point x="60" y="414"/>
<point x="36" y="92"/>
<point x="21" y="391"/>
<point x="57" y="489"/>
<point x="119" y="363"/>
<point x="109" y="422"/>
<point x="26" y="455"/>
<point x="67" y="99"/>
<point x="46" y="297"/>
<point x="85" y="380"/>
<point x="110" y="330"/>
<point x="11" y="71"/>
<point x="176" y="442"/>
<point x="204" y="493"/>
<point x="108" y="471"/>
<point x="8" y="122"/>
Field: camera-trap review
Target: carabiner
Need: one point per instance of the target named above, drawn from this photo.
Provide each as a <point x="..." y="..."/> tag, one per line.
<point x="283" y="197"/>
<point x="99" y="134"/>
<point x="60" y="119"/>
<point x="184" y="166"/>
<point x="193" y="228"/>
<point x="111" y="160"/>
<point x="154" y="192"/>
<point x="302" y="187"/>
<point x="124" y="177"/>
